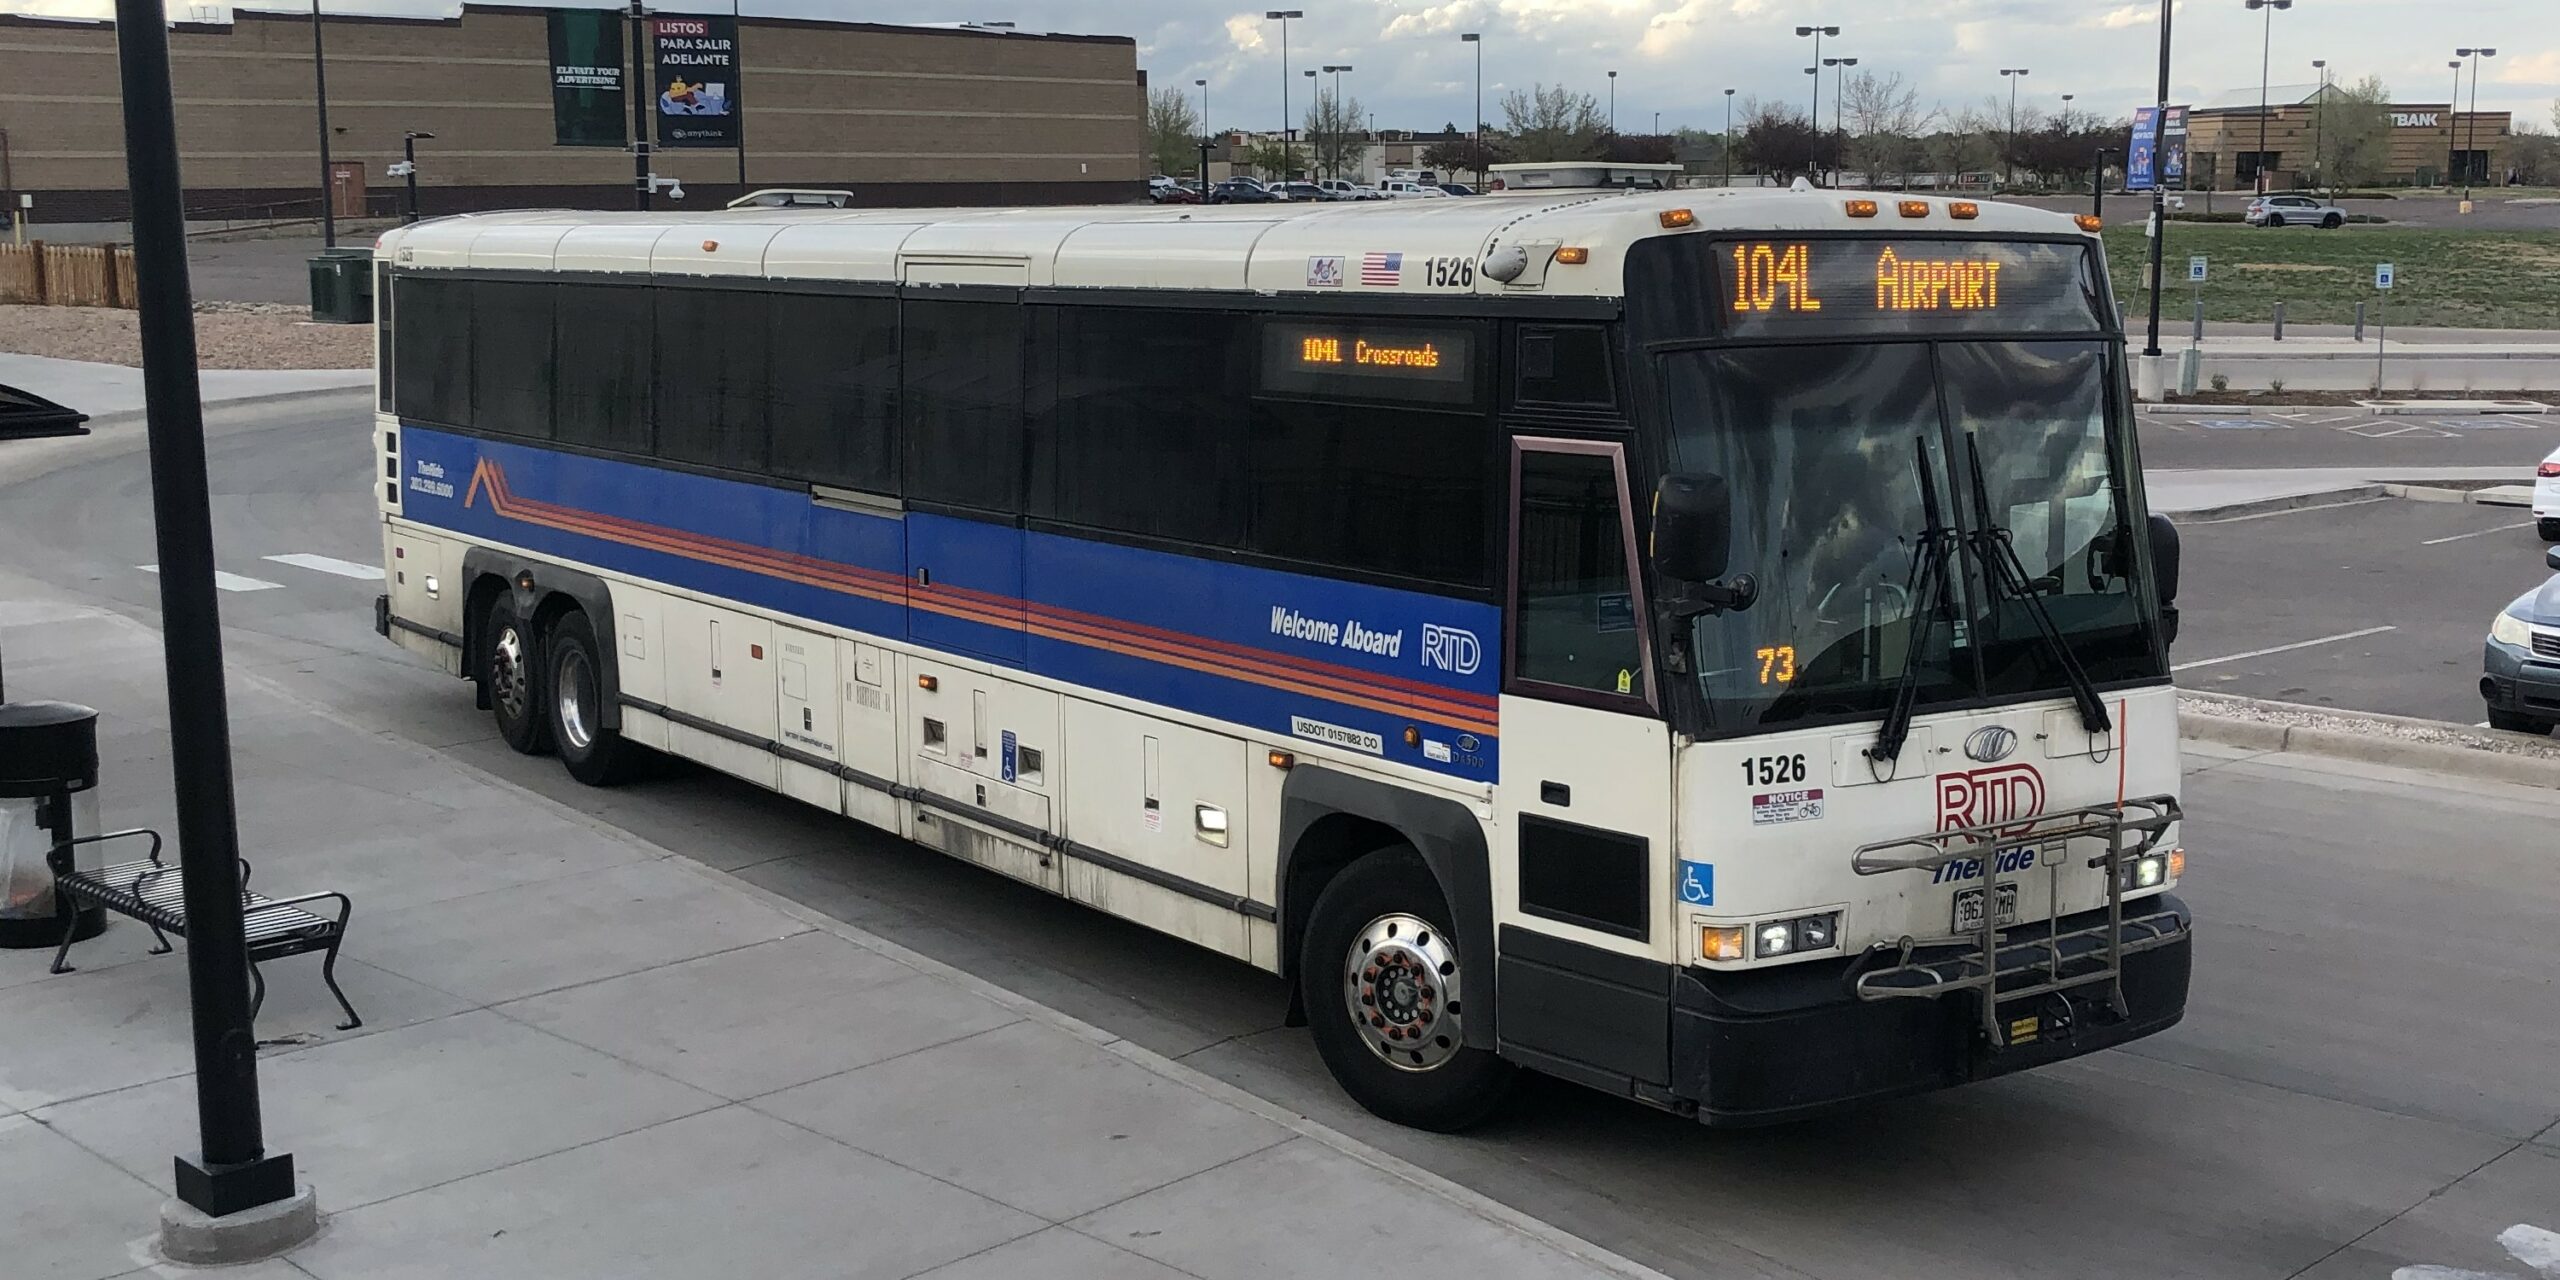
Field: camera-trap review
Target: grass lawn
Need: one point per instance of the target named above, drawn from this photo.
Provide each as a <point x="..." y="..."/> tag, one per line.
<point x="2448" y="277"/>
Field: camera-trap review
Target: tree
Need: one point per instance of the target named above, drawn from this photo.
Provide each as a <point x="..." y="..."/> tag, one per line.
<point x="1775" y="139"/>
<point x="1639" y="148"/>
<point x="1337" y="134"/>
<point x="1969" y="143"/>
<point x="2535" y="155"/>
<point x="1459" y="155"/>
<point x="1884" y="123"/>
<point x="1173" y="131"/>
<point x="1268" y="157"/>
<point x="1699" y="151"/>
<point x="2356" y="133"/>
<point x="1553" y="124"/>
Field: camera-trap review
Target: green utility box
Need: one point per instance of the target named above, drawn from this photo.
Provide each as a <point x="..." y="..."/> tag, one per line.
<point x="342" y="286"/>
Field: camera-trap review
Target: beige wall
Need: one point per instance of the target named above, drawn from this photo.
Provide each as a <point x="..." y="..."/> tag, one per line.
<point x="879" y="109"/>
<point x="2292" y="132"/>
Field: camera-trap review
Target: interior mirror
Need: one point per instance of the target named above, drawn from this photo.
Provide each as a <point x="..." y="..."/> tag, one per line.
<point x="2164" y="574"/>
<point x="1692" y="527"/>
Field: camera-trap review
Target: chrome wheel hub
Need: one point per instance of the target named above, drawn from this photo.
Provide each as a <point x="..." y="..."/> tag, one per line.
<point x="1400" y="983"/>
<point x="575" y="682"/>
<point x="507" y="683"/>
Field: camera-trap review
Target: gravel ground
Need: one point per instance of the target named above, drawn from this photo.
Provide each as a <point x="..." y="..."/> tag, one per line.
<point x="2290" y="715"/>
<point x="229" y="335"/>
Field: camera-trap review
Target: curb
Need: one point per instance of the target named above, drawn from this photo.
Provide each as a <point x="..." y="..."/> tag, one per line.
<point x="1473" y="1202"/>
<point x="2371" y="738"/>
<point x="2476" y="497"/>
<point x="2342" y="497"/>
<point x="236" y="402"/>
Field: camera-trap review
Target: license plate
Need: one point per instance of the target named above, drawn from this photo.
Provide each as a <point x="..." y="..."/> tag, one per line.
<point x="1969" y="908"/>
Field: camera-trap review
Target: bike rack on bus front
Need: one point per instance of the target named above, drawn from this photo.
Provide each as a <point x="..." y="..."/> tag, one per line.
<point x="1986" y="956"/>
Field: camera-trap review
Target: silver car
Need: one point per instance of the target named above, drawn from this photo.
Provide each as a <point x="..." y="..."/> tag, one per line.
<point x="2294" y="211"/>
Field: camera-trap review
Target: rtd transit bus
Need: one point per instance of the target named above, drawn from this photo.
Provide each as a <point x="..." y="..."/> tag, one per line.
<point x="1707" y="645"/>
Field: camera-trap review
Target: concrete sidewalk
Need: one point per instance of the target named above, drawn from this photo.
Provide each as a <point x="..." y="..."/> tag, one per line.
<point x="2235" y="491"/>
<point x="101" y="390"/>
<point x="584" y="1056"/>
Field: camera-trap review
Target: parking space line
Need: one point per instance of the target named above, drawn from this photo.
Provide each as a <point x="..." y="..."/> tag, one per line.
<point x="2504" y="528"/>
<point x="330" y="564"/>
<point x="2282" y="648"/>
<point x="228" y="581"/>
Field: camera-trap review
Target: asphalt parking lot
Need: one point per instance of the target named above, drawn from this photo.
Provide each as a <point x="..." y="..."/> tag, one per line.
<point x="2379" y="605"/>
<point x="2314" y="436"/>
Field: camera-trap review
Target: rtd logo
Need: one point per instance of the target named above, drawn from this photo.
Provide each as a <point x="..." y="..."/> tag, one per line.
<point x="2006" y="795"/>
<point x="683" y="27"/>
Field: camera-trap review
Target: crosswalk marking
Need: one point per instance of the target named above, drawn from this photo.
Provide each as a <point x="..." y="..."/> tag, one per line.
<point x="331" y="564"/>
<point x="228" y="581"/>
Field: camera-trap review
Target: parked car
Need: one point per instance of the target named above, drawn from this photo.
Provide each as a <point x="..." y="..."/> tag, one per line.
<point x="1346" y="189"/>
<point x="1406" y="189"/>
<point x="1175" y="194"/>
<point x="1243" y="191"/>
<point x="2294" y="211"/>
<point x="2546" y="498"/>
<point x="2520" y="669"/>
<point x="1457" y="188"/>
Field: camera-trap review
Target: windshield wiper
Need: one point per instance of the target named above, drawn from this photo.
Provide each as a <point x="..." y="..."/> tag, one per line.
<point x="1932" y="587"/>
<point x="1992" y="544"/>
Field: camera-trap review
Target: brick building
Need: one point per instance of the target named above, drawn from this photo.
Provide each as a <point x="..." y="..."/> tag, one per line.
<point x="898" y="115"/>
<point x="2427" y="141"/>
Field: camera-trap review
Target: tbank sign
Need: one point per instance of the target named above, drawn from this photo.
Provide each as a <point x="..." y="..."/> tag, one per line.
<point x="2416" y="119"/>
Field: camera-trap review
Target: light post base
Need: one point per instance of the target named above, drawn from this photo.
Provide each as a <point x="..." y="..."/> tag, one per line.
<point x="2149" y="379"/>
<point x="191" y="1236"/>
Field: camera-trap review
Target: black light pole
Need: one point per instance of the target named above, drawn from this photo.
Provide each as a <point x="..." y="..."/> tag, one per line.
<point x="2452" y="101"/>
<point x="738" y="64"/>
<point x="1813" y="131"/>
<point x="1813" y="122"/>
<point x="1728" y="137"/>
<point x="233" y="1171"/>
<point x="1286" y="152"/>
<point x="1613" y="103"/>
<point x="2471" y="126"/>
<point x="1477" y="128"/>
<point x="1315" y="132"/>
<point x="2319" y="119"/>
<point x="2159" y="196"/>
<point x="320" y="95"/>
<point x="1340" y="130"/>
<point x="2012" y="75"/>
<point x="640" y="78"/>
<point x="409" y="167"/>
<point x="1840" y="107"/>
<point x="2266" y="44"/>
<point x="1204" y="137"/>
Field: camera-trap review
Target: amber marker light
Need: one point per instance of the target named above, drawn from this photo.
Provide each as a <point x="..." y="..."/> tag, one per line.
<point x="1913" y="208"/>
<point x="1860" y="208"/>
<point x="1282" y="759"/>
<point x="1720" y="942"/>
<point x="2089" y="222"/>
<point x="928" y="683"/>
<point x="1963" y="209"/>
<point x="1573" y="255"/>
<point x="1674" y="219"/>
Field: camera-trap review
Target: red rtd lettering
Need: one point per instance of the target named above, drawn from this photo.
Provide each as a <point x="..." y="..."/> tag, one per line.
<point x="2010" y="794"/>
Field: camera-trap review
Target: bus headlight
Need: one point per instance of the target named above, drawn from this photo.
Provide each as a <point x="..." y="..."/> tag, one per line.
<point x="1790" y="937"/>
<point x="2143" y="873"/>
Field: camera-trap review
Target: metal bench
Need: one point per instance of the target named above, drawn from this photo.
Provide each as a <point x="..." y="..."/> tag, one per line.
<point x="152" y="892"/>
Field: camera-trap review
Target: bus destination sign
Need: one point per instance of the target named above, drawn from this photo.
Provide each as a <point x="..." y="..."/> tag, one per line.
<point x="1901" y="286"/>
<point x="1377" y="361"/>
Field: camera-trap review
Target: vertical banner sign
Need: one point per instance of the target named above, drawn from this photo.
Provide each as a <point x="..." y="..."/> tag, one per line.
<point x="587" y="105"/>
<point x="2141" y="170"/>
<point x="2173" y="148"/>
<point x="697" y="80"/>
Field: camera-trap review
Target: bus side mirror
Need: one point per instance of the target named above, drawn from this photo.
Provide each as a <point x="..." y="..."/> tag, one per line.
<point x="1692" y="527"/>
<point x="2551" y="558"/>
<point x="2164" y="574"/>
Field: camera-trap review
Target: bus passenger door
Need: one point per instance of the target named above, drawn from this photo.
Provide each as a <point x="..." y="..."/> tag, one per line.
<point x="1584" y="801"/>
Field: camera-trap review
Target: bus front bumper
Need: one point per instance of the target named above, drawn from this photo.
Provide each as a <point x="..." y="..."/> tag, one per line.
<point x="1784" y="1044"/>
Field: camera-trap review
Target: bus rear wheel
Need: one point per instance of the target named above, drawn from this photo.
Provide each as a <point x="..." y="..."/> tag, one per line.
<point x="511" y="670"/>
<point x="593" y="754"/>
<point x="1378" y="975"/>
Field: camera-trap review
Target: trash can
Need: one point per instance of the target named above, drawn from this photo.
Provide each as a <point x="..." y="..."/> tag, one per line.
<point x="48" y="794"/>
<point x="342" y="286"/>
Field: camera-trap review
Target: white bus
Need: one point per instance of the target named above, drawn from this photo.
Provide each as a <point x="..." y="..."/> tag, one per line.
<point x="1708" y="645"/>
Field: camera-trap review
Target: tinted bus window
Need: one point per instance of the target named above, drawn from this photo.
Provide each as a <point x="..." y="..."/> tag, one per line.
<point x="712" y="378"/>
<point x="835" y="390"/>
<point x="1396" y="491"/>
<point x="1147" y="434"/>
<point x="604" y="336"/>
<point x="963" y="404"/>
<point x="434" y="362"/>
<point x="511" y="358"/>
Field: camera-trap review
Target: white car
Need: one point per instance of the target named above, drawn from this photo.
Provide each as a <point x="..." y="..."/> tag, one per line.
<point x="2294" y="211"/>
<point x="1345" y="189"/>
<point x="1402" y="189"/>
<point x="2546" y="498"/>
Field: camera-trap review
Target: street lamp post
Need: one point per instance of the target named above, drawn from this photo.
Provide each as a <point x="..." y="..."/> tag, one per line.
<point x="2012" y="75"/>
<point x="2266" y="45"/>
<point x="409" y="167"/>
<point x="1477" y="127"/>
<point x="1813" y="122"/>
<point x="2320" y="123"/>
<point x="1283" y="16"/>
<point x="1840" y="106"/>
<point x="2471" y="127"/>
<point x="643" y="182"/>
<point x="1315" y="132"/>
<point x="320" y="95"/>
<point x="233" y="1171"/>
<point x="1728" y="137"/>
<point x="1613" y="103"/>
<point x="1340" y="127"/>
<point x="738" y="68"/>
<point x="2159" y="195"/>
<point x="2451" y="101"/>
<point x="1204" y="137"/>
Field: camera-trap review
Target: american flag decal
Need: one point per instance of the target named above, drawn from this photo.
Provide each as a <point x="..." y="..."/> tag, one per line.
<point x="1385" y="269"/>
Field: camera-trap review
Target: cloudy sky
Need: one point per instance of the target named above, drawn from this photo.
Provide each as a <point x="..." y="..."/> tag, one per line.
<point x="1676" y="56"/>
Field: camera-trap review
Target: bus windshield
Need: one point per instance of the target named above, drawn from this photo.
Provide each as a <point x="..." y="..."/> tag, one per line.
<point x="1824" y="447"/>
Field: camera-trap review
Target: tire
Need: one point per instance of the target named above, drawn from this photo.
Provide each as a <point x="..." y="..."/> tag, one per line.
<point x="1387" y="913"/>
<point x="2547" y="530"/>
<point x="2333" y="222"/>
<point x="574" y="709"/>
<point x="511" y="670"/>
<point x="2518" y="722"/>
<point x="2275" y="219"/>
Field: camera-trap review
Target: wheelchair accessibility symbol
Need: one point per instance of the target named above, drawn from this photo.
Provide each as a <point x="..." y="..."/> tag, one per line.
<point x="1698" y="883"/>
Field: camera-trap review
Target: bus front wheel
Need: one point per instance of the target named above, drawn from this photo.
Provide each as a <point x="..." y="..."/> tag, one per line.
<point x="1378" y="974"/>
<point x="594" y="755"/>
<point x="511" y="670"/>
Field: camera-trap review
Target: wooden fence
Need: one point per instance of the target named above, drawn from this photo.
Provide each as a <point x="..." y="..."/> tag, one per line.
<point x="66" y="275"/>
